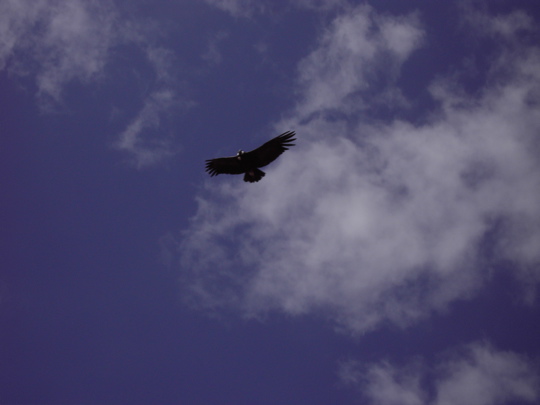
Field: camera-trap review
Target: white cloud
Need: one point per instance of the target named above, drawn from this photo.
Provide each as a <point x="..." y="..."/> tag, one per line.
<point x="477" y="374"/>
<point x="382" y="221"/>
<point x="144" y="138"/>
<point x="60" y="42"/>
<point x="485" y="376"/>
<point x="385" y="384"/>
<point x="352" y="52"/>
<point x="250" y="8"/>
<point x="213" y="54"/>
<point x="15" y="17"/>
<point x="238" y="8"/>
<point x="320" y="5"/>
<point x="139" y="138"/>
<point x="499" y="26"/>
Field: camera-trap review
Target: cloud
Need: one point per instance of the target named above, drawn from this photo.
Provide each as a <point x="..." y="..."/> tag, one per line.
<point x="57" y="43"/>
<point x="140" y="140"/>
<point x="321" y="5"/>
<point x="486" y="376"/>
<point x="238" y="8"/>
<point x="213" y="54"/>
<point x="368" y="221"/>
<point x="498" y="26"/>
<point x="144" y="138"/>
<point x="385" y="384"/>
<point x="477" y="374"/>
<point x="250" y="8"/>
<point x="346" y="65"/>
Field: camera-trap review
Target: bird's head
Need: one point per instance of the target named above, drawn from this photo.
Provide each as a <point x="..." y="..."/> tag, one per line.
<point x="239" y="154"/>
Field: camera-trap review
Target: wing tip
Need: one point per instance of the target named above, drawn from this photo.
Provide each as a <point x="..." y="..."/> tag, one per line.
<point x="210" y="169"/>
<point x="286" y="139"/>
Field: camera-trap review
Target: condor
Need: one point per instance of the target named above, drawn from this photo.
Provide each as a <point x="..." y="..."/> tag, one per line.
<point x="250" y="162"/>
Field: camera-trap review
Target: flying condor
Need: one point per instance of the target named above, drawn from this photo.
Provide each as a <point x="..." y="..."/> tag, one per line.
<point x="249" y="162"/>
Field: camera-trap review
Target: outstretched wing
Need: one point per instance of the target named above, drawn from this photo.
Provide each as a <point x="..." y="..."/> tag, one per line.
<point x="226" y="165"/>
<point x="269" y="151"/>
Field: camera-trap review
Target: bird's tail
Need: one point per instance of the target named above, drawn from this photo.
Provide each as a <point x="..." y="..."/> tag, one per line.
<point x="254" y="175"/>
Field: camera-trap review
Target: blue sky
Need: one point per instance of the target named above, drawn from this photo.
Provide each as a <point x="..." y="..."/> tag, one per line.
<point x="391" y="257"/>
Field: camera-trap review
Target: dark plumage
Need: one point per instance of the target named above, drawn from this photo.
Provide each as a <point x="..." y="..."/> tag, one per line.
<point x="249" y="162"/>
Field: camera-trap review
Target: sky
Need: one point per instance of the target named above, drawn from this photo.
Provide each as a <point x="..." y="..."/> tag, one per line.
<point x="391" y="257"/>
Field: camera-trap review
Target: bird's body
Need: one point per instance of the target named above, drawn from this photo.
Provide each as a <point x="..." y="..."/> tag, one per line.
<point x="250" y="162"/>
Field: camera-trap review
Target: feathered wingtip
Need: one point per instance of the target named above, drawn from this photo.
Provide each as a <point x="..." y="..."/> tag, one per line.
<point x="286" y="139"/>
<point x="210" y="168"/>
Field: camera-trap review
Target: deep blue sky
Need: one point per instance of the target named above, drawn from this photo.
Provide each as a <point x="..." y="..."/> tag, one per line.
<point x="391" y="257"/>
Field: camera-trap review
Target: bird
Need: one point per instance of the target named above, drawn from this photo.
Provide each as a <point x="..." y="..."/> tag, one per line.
<point x="250" y="162"/>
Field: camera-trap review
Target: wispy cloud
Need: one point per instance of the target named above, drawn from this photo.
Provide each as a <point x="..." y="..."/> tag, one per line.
<point x="475" y="374"/>
<point x="250" y="8"/>
<point x="56" y="43"/>
<point x="238" y="8"/>
<point x="384" y="383"/>
<point x="347" y="63"/>
<point x="140" y="140"/>
<point x="145" y="140"/>
<point x="213" y="54"/>
<point x="377" y="221"/>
